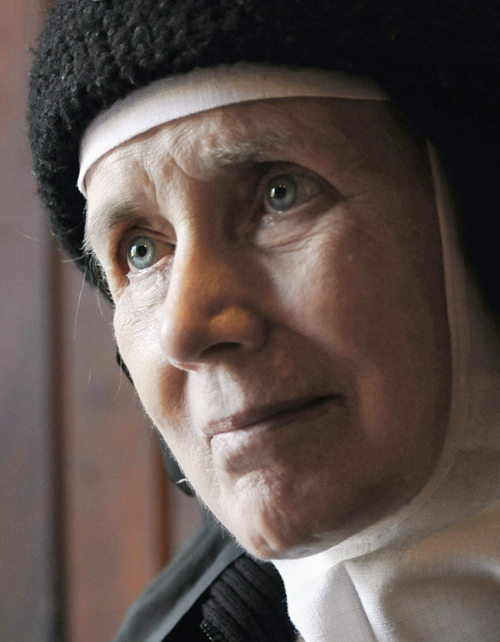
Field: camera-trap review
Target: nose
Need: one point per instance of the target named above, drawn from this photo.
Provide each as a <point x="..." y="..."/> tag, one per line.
<point x="211" y="311"/>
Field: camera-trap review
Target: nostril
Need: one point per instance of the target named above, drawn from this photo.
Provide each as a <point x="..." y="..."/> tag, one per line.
<point x="191" y="333"/>
<point x="229" y="346"/>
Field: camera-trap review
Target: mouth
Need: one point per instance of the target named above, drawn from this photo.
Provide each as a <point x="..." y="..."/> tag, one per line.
<point x="270" y="415"/>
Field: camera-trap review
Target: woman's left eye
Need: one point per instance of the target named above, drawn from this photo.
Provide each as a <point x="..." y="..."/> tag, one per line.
<point x="286" y="191"/>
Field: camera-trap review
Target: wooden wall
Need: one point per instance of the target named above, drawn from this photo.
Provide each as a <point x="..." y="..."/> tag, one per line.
<point x="86" y="514"/>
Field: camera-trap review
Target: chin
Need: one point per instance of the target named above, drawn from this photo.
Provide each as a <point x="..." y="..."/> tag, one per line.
<point x="273" y="519"/>
<point x="265" y="540"/>
<point x="270" y="523"/>
<point x="277" y="537"/>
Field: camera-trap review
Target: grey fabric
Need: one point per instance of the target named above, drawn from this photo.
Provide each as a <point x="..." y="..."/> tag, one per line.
<point x="168" y="598"/>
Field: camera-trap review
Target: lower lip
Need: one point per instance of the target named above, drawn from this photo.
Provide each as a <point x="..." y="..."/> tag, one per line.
<point x="246" y="442"/>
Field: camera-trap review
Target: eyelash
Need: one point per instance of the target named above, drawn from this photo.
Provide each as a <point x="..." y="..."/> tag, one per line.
<point x="306" y="186"/>
<point x="131" y="239"/>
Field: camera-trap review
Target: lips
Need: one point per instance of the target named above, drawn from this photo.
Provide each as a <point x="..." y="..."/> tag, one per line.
<point x="272" y="414"/>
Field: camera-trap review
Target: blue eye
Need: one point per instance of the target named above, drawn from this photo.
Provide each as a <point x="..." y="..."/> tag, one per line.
<point x="281" y="193"/>
<point x="142" y="252"/>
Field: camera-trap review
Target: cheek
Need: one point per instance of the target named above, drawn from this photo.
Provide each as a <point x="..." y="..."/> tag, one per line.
<point x="350" y="291"/>
<point x="136" y="319"/>
<point x="136" y="323"/>
<point x="160" y="386"/>
<point x="367" y="309"/>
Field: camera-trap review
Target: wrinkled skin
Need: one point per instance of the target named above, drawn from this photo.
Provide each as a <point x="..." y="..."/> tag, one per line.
<point x="276" y="271"/>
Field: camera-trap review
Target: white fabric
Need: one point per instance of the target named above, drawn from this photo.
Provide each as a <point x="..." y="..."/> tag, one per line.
<point x="202" y="89"/>
<point x="430" y="573"/>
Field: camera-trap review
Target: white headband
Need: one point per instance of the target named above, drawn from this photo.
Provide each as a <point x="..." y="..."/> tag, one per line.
<point x="207" y="88"/>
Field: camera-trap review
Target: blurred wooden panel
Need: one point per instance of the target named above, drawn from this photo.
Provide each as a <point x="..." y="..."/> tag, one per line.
<point x="29" y="607"/>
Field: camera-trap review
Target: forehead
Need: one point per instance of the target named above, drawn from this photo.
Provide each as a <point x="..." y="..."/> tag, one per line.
<point x="345" y="141"/>
<point x="258" y="131"/>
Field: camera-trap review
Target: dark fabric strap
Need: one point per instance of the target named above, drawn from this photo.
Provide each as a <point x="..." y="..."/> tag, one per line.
<point x="170" y="606"/>
<point x="247" y="604"/>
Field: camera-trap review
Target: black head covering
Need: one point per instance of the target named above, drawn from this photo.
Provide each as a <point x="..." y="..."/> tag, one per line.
<point x="438" y="60"/>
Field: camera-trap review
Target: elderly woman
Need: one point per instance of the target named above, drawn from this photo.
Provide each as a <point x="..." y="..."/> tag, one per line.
<point x="279" y="244"/>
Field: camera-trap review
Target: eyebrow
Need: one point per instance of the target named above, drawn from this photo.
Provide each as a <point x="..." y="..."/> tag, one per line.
<point x="222" y="153"/>
<point x="213" y="156"/>
<point x="107" y="218"/>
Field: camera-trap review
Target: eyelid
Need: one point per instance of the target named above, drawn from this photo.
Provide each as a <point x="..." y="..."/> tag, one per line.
<point x="286" y="167"/>
<point x="125" y="239"/>
<point x="296" y="172"/>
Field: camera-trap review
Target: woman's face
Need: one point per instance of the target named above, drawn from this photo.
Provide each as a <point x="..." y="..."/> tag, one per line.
<point x="279" y="302"/>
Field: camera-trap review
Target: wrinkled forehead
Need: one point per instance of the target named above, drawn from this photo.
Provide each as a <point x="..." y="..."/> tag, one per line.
<point x="350" y="144"/>
<point x="202" y="90"/>
<point x="299" y="130"/>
